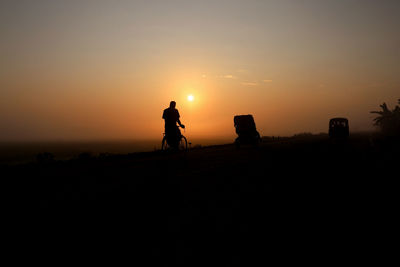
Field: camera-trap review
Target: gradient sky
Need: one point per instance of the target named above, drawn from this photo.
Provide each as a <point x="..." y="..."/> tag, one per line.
<point x="106" y="69"/>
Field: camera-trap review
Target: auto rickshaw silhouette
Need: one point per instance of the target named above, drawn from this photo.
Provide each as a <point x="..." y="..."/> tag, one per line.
<point x="338" y="128"/>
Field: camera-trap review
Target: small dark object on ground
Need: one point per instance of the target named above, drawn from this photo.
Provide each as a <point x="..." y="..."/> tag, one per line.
<point x="246" y="130"/>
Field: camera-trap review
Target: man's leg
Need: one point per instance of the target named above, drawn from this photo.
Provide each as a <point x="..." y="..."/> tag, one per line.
<point x="178" y="133"/>
<point x="170" y="134"/>
<point x="177" y="137"/>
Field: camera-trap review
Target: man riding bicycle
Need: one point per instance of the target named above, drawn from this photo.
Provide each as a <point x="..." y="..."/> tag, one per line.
<point x="171" y="117"/>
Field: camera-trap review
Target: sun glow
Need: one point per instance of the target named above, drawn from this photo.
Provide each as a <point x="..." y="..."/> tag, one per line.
<point x="190" y="98"/>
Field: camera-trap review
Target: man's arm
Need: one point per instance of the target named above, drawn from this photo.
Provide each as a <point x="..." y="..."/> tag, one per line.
<point x="179" y="121"/>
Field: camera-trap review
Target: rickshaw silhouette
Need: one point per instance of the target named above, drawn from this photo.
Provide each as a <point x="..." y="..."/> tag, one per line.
<point x="338" y="128"/>
<point x="246" y="130"/>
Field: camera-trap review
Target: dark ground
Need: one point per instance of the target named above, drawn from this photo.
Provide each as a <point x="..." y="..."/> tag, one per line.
<point x="305" y="199"/>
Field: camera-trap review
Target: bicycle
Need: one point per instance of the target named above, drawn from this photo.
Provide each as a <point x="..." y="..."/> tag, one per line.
<point x="181" y="145"/>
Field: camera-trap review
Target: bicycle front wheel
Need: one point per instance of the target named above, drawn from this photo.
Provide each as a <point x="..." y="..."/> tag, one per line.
<point x="183" y="143"/>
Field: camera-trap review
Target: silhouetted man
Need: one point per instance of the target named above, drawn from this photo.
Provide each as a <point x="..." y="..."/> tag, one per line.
<point x="171" y="117"/>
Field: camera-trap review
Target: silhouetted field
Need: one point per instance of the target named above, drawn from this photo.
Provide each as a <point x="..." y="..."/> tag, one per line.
<point x="25" y="152"/>
<point x="305" y="194"/>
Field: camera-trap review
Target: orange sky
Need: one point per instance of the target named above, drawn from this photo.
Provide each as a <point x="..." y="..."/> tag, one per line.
<point x="106" y="69"/>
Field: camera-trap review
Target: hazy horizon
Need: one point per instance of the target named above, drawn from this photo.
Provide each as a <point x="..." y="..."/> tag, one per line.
<point x="105" y="70"/>
<point x="193" y="139"/>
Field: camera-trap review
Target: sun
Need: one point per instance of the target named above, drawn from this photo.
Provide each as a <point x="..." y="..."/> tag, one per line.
<point x="190" y="98"/>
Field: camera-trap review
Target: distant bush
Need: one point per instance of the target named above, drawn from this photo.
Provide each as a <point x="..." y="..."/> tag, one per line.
<point x="45" y="157"/>
<point x="269" y="138"/>
<point x="85" y="156"/>
<point x="388" y="120"/>
<point x="302" y="135"/>
<point x="104" y="155"/>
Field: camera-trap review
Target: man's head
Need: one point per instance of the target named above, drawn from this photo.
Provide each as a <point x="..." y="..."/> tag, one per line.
<point x="172" y="104"/>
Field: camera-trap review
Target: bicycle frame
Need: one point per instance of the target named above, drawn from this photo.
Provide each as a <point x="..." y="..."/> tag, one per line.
<point x="181" y="143"/>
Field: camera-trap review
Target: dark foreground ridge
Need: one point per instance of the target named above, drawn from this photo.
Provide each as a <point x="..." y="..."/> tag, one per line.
<point x="222" y="203"/>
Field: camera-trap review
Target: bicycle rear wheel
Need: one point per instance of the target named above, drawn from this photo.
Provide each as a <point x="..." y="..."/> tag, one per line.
<point x="164" y="144"/>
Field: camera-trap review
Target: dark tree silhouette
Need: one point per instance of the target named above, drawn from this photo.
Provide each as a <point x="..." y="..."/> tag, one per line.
<point x="388" y="120"/>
